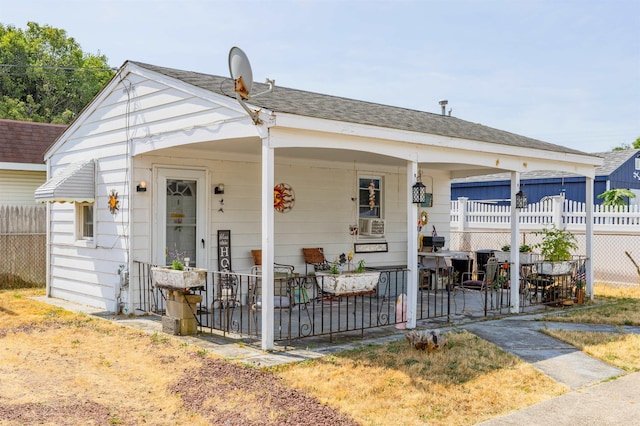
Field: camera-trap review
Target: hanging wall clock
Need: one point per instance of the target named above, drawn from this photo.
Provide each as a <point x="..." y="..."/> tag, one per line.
<point x="283" y="197"/>
<point x="114" y="203"/>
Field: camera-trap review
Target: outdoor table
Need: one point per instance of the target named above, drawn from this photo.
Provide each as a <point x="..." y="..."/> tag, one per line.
<point x="444" y="254"/>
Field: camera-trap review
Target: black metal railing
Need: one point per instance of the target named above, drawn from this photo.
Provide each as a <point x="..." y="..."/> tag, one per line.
<point x="310" y="306"/>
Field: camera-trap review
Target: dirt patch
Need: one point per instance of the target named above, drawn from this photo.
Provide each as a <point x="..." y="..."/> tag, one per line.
<point x="221" y="392"/>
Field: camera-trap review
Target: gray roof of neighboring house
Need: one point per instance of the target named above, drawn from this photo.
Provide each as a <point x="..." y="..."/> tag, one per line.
<point x="611" y="161"/>
<point x="317" y="105"/>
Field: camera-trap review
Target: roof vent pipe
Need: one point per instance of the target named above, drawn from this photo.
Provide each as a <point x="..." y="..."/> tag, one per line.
<point x="443" y="103"/>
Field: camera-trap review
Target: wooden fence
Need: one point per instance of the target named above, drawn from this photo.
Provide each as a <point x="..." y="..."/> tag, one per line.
<point x="22" y="245"/>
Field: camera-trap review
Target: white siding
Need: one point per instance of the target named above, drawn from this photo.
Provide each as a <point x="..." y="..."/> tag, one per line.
<point x="321" y="216"/>
<point x="89" y="275"/>
<point x="18" y="186"/>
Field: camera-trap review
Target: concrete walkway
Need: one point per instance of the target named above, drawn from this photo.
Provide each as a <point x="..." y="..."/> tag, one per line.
<point x="558" y="360"/>
<point x="600" y="393"/>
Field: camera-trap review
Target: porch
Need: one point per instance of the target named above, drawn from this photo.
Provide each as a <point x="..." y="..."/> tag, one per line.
<point x="231" y="303"/>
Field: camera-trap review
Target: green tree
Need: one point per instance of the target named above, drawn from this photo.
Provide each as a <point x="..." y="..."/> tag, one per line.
<point x="635" y="145"/>
<point x="616" y="197"/>
<point x="45" y="76"/>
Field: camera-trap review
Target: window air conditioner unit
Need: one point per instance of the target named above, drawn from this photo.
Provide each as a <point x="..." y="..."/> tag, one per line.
<point x="373" y="227"/>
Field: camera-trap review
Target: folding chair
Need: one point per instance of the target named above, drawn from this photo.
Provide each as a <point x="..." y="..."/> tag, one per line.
<point x="480" y="282"/>
<point x="279" y="269"/>
<point x="281" y="273"/>
<point x="315" y="257"/>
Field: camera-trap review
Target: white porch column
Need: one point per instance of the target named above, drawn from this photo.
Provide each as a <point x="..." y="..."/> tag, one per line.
<point x="267" y="245"/>
<point x="515" y="245"/>
<point x="412" y="247"/>
<point x="589" y="234"/>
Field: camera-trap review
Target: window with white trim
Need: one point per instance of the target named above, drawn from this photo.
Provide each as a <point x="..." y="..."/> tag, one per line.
<point x="371" y="224"/>
<point x="84" y="221"/>
<point x="370" y="197"/>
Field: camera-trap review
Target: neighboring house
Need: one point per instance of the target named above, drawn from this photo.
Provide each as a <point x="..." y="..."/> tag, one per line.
<point x="206" y="167"/>
<point x="22" y="167"/>
<point x="620" y="169"/>
<point x="22" y="220"/>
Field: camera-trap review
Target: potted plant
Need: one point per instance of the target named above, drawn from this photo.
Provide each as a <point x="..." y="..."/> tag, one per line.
<point x="500" y="282"/>
<point x="177" y="275"/>
<point x="338" y="281"/>
<point x="526" y="255"/>
<point x="555" y="248"/>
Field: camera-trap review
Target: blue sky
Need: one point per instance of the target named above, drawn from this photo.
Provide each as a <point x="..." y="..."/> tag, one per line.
<point x="563" y="71"/>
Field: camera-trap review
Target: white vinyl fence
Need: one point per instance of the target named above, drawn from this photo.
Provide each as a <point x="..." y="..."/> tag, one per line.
<point x="616" y="246"/>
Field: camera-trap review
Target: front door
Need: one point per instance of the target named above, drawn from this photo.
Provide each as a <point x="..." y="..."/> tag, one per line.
<point x="181" y="213"/>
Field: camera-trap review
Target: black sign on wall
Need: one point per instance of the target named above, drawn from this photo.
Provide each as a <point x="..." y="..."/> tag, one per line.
<point x="224" y="250"/>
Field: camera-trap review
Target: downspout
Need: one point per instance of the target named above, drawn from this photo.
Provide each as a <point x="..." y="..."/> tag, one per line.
<point x="124" y="274"/>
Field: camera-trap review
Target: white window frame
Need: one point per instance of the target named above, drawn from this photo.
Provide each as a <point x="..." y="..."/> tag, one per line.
<point x="362" y="193"/>
<point x="81" y="238"/>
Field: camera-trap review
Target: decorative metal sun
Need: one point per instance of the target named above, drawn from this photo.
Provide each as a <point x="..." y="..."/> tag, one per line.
<point x="283" y="197"/>
<point x="114" y="203"/>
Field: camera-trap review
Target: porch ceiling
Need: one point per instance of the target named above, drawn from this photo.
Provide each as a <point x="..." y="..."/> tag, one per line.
<point x="251" y="147"/>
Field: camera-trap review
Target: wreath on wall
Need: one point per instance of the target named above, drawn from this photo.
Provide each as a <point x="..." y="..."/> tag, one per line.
<point x="283" y="197"/>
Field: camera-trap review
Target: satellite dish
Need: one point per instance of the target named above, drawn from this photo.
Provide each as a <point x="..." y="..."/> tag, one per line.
<point x="240" y="70"/>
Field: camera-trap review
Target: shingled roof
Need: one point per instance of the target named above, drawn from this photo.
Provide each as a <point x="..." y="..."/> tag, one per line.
<point x="317" y="105"/>
<point x="26" y="142"/>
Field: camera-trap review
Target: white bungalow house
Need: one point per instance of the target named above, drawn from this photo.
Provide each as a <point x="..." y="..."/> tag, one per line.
<point x="207" y="167"/>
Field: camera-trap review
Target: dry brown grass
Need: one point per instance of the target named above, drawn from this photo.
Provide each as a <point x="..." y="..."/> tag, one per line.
<point x="50" y="357"/>
<point x="614" y="306"/>
<point x="619" y="306"/>
<point x="61" y="368"/>
<point x="620" y="350"/>
<point x="468" y="381"/>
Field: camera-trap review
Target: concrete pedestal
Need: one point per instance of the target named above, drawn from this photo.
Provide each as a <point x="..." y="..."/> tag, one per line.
<point x="180" y="318"/>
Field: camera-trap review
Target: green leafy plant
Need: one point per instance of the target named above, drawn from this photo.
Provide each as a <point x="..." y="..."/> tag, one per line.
<point x="524" y="248"/>
<point x="177" y="261"/>
<point x="339" y="263"/>
<point x="360" y="266"/>
<point x="500" y="282"/>
<point x="616" y="197"/>
<point x="177" y="265"/>
<point x="557" y="244"/>
<point x="334" y="267"/>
